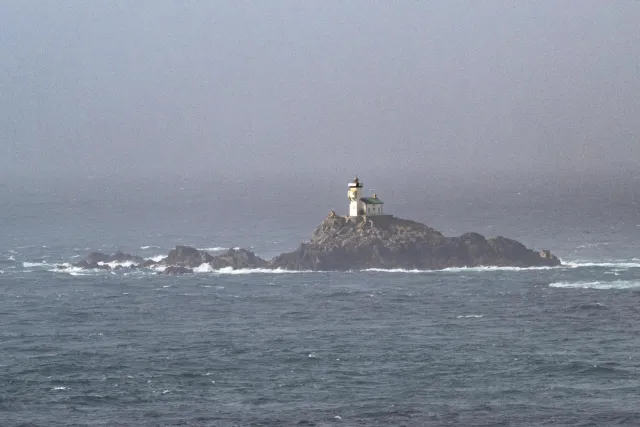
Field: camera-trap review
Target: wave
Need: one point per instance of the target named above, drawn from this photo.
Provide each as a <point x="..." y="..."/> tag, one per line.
<point x="206" y="268"/>
<point x="121" y="264"/>
<point x="458" y="269"/>
<point x="74" y="271"/>
<point x="469" y="316"/>
<point x="609" y="264"/>
<point x="36" y="264"/>
<point x="616" y="284"/>
<point x="149" y="247"/>
<point x="156" y="258"/>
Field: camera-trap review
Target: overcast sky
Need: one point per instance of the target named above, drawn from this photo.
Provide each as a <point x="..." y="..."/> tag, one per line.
<point x="108" y="89"/>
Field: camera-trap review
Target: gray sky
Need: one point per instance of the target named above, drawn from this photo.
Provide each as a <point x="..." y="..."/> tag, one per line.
<point x="312" y="90"/>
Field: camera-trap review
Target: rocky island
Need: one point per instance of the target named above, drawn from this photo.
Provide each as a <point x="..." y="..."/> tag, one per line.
<point x="366" y="238"/>
<point x="342" y="243"/>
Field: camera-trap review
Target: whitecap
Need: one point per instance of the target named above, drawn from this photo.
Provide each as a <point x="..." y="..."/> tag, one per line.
<point x="149" y="247"/>
<point x="214" y="249"/>
<point x="156" y="258"/>
<point x="123" y="264"/>
<point x="11" y="258"/>
<point x="616" y="284"/>
<point x="478" y="269"/>
<point x="229" y="270"/>
<point x="203" y="268"/>
<point x="469" y="316"/>
<point x="71" y="270"/>
<point x="35" y="264"/>
<point x="609" y="264"/>
<point x="60" y="388"/>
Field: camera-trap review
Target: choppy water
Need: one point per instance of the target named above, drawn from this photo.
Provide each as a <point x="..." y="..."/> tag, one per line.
<point x="460" y="347"/>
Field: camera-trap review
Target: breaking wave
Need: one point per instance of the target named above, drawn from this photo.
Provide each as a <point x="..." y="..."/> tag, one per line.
<point x="616" y="284"/>
<point x="36" y="264"/>
<point x="74" y="271"/>
<point x="457" y="269"/>
<point x="610" y="264"/>
<point x="122" y="264"/>
<point x="206" y="268"/>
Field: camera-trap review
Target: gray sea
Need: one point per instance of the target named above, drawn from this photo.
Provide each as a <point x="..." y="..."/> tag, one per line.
<point x="460" y="347"/>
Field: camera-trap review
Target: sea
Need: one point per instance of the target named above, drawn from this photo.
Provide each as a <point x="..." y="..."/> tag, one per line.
<point x="459" y="347"/>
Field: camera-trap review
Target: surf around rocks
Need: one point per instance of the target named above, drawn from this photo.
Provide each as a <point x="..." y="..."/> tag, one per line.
<point x="342" y="243"/>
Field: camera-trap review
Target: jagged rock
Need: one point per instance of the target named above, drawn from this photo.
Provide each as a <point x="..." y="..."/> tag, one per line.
<point x="237" y="259"/>
<point x="175" y="269"/>
<point x="148" y="263"/>
<point x="186" y="256"/>
<point x="90" y="266"/>
<point x="97" y="260"/>
<point x="341" y="243"/>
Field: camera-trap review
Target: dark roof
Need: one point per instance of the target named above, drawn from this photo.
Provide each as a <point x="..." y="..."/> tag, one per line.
<point x="371" y="201"/>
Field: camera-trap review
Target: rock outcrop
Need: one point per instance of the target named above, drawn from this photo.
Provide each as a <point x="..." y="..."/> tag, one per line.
<point x="98" y="260"/>
<point x="341" y="243"/>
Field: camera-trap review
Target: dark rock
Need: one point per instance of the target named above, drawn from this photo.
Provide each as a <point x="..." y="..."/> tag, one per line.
<point x="148" y="263"/>
<point x="237" y="259"/>
<point x="97" y="260"/>
<point x="91" y="266"/>
<point x="96" y="257"/>
<point x="186" y="256"/>
<point x="175" y="269"/>
<point x="341" y="243"/>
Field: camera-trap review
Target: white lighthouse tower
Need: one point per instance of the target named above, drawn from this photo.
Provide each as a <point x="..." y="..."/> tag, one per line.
<point x="362" y="206"/>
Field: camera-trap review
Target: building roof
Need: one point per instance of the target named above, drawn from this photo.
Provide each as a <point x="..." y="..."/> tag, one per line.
<point x="371" y="201"/>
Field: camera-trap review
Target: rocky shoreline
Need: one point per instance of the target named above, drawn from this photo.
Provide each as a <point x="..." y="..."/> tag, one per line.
<point x="342" y="243"/>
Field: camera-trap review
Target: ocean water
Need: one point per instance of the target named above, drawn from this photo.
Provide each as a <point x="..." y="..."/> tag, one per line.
<point x="460" y="347"/>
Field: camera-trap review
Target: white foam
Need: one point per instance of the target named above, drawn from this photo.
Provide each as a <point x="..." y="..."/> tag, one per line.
<point x="203" y="268"/>
<point x="73" y="271"/>
<point x="156" y="258"/>
<point x="616" y="284"/>
<point x="149" y="247"/>
<point x="60" y="388"/>
<point x="458" y="269"/>
<point x="469" y="316"/>
<point x="35" y="264"/>
<point x="611" y="264"/>
<point x="11" y="258"/>
<point x="114" y="264"/>
<point x="214" y="249"/>
<point x="206" y="268"/>
<point x="229" y="270"/>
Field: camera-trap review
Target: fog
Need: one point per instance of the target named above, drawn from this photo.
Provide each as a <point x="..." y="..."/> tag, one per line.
<point x="438" y="94"/>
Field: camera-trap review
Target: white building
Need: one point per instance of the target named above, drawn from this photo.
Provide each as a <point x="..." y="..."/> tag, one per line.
<point x="362" y="206"/>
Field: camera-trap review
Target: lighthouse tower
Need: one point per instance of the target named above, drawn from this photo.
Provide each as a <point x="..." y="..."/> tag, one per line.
<point x="356" y="207"/>
<point x="362" y="206"/>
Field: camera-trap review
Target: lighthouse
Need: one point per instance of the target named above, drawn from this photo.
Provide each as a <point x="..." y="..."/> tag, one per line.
<point x="362" y="206"/>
